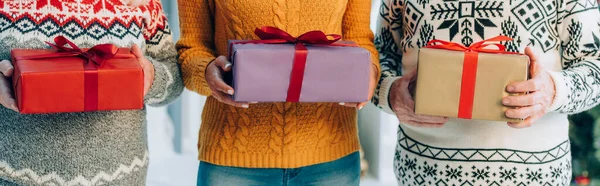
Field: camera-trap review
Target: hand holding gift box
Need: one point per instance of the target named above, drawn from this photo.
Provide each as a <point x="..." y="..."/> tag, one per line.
<point x="540" y="98"/>
<point x="468" y="82"/>
<point x="6" y="94"/>
<point x="75" y="80"/>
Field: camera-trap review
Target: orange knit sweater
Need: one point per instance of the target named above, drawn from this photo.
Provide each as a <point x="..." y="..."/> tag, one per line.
<point x="269" y="135"/>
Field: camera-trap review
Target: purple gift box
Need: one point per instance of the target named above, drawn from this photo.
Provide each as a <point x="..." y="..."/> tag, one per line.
<point x="261" y="73"/>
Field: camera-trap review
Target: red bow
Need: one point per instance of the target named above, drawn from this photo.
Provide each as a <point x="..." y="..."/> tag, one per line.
<point x="97" y="54"/>
<point x="475" y="47"/>
<point x="469" y="74"/>
<point x="277" y="35"/>
<point x="272" y="35"/>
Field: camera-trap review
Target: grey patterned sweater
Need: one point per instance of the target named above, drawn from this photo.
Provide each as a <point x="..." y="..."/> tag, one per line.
<point x="95" y="148"/>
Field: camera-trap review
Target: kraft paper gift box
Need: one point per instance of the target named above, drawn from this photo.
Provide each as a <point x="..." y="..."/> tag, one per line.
<point x="275" y="70"/>
<point x="69" y="80"/>
<point x="468" y="84"/>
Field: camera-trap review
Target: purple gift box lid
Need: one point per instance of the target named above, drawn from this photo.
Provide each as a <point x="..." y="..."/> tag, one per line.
<point x="261" y="73"/>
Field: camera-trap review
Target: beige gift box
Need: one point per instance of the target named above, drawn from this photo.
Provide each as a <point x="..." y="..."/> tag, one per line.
<point x="440" y="84"/>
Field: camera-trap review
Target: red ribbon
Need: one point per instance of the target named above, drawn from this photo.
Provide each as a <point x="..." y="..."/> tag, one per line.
<point x="272" y="35"/>
<point x="469" y="74"/>
<point x="95" y="58"/>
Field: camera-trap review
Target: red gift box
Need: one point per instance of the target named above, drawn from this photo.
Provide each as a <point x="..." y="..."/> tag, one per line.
<point x="65" y="79"/>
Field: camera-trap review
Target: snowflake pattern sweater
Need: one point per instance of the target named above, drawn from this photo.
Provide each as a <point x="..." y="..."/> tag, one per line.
<point x="469" y="152"/>
<point x="95" y="148"/>
<point x="269" y="135"/>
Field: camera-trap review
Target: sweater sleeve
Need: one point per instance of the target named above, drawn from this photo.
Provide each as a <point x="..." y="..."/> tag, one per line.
<point x="160" y="51"/>
<point x="578" y="84"/>
<point x="387" y="40"/>
<point x="196" y="47"/>
<point x="356" y="27"/>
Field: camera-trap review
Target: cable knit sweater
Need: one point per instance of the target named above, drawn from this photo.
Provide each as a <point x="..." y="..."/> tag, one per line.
<point x="269" y="135"/>
<point x="93" y="148"/>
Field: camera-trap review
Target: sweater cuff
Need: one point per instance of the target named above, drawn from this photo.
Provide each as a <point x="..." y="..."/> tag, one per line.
<point x="167" y="85"/>
<point x="560" y="91"/>
<point x="193" y="69"/>
<point x="384" y="92"/>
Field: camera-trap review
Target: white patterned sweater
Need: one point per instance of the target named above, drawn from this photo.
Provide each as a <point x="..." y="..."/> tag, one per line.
<point x="566" y="33"/>
<point x="92" y="148"/>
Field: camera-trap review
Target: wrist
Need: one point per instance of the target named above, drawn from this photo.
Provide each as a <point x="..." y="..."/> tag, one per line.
<point x="393" y="94"/>
<point x="386" y="88"/>
<point x="211" y="62"/>
<point x="375" y="73"/>
<point x="560" y="91"/>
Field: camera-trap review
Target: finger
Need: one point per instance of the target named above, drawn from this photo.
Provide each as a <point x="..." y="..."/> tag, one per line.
<point x="409" y="103"/>
<point x="531" y="85"/>
<point x="148" y="84"/>
<point x="6" y="68"/>
<point x="216" y="81"/>
<point x="524" y="124"/>
<point x="354" y="105"/>
<point x="146" y="66"/>
<point x="224" y="98"/>
<point x="223" y="63"/>
<point x="411" y="75"/>
<point x="136" y="3"/>
<point x="6" y="97"/>
<point x="523" y="100"/>
<point x="525" y="112"/>
<point x="534" y="67"/>
<point x="361" y="105"/>
<point x="424" y="124"/>
<point x="136" y="51"/>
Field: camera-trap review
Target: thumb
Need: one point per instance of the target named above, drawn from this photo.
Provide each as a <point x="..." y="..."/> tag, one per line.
<point x="6" y="68"/>
<point x="412" y="74"/>
<point x="361" y="105"/>
<point x="136" y="51"/>
<point x="534" y="66"/>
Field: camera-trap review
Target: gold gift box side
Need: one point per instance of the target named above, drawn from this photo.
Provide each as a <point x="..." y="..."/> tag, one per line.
<point x="494" y="73"/>
<point x="438" y="82"/>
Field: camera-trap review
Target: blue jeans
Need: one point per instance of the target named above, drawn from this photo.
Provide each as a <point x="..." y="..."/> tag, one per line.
<point x="341" y="172"/>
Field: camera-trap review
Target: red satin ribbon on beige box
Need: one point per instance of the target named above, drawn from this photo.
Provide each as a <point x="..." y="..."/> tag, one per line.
<point x="469" y="73"/>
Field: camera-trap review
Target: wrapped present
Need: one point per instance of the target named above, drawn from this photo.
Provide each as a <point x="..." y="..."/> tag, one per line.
<point x="66" y="79"/>
<point x="467" y="82"/>
<point x="313" y="67"/>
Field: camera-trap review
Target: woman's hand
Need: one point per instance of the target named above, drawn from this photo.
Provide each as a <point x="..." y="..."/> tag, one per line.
<point x="7" y="98"/>
<point x="403" y="104"/>
<point x="220" y="90"/>
<point x="532" y="106"/>
<point x="146" y="66"/>
<point x="372" y="85"/>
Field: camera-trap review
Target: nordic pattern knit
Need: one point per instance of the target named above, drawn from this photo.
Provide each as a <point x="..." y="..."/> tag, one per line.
<point x="95" y="148"/>
<point x="269" y="135"/>
<point x="469" y="152"/>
